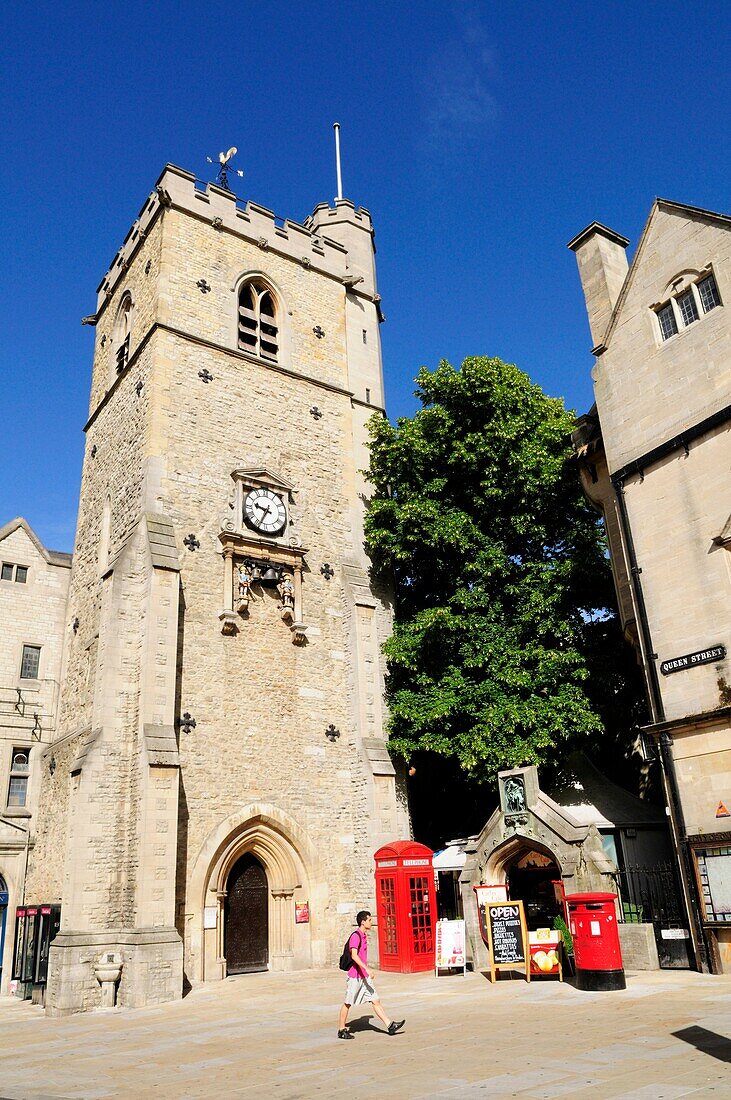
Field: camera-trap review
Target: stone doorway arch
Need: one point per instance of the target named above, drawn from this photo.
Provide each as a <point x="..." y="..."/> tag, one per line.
<point x="264" y="836"/>
<point x="529" y="869"/>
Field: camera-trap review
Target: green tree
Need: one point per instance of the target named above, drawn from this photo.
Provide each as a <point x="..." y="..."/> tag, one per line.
<point x="500" y="567"/>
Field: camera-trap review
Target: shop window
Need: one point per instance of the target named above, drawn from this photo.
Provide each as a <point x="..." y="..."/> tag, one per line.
<point x="714" y="873"/>
<point x="19" y="776"/>
<point x="31" y="662"/>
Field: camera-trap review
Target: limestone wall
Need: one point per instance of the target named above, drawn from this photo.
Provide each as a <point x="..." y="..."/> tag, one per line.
<point x="647" y="389"/>
<point x="114" y="469"/>
<point x="675" y="512"/>
<point x="162" y="439"/>
<point x="31" y="613"/>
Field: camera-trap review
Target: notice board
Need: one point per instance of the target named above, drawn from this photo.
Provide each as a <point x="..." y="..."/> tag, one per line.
<point x="504" y="930"/>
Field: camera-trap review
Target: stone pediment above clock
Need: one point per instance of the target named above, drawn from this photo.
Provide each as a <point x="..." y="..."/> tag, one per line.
<point x="262" y="477"/>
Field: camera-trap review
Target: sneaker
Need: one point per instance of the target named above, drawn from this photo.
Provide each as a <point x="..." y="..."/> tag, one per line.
<point x="395" y="1026"/>
<point x="345" y="1033"/>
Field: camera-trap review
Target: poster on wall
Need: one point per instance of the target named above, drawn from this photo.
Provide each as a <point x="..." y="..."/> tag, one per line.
<point x="714" y="873"/>
<point x="450" y="946"/>
<point x="301" y="912"/>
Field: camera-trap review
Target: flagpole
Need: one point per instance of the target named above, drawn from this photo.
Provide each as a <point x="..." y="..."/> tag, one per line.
<point x="336" y="128"/>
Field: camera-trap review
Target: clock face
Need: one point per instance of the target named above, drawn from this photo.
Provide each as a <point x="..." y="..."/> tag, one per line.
<point x="265" y="511"/>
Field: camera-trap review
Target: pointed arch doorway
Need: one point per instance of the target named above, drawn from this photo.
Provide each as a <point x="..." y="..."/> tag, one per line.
<point x="531" y="875"/>
<point x="246" y="919"/>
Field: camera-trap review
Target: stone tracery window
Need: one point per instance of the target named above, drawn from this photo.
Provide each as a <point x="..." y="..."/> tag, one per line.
<point x="258" y="328"/>
<point x="121" y="333"/>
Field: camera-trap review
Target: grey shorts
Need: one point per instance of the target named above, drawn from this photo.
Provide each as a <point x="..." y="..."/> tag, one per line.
<point x="359" y="991"/>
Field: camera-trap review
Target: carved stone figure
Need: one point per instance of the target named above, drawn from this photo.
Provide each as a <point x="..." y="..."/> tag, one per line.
<point x="244" y="585"/>
<point x="514" y="794"/>
<point x="286" y="589"/>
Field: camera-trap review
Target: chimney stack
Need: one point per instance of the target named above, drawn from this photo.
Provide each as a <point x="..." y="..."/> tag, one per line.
<point x="602" y="259"/>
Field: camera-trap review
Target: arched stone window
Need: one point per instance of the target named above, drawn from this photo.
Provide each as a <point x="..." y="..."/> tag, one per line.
<point x="121" y="333"/>
<point x="258" y="324"/>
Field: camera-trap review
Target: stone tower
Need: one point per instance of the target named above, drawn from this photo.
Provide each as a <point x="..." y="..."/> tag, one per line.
<point x="221" y="768"/>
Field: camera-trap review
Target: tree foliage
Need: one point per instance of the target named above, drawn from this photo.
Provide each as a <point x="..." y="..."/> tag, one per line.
<point x="500" y="568"/>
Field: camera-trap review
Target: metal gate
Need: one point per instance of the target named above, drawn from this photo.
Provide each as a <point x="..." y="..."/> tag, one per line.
<point x="651" y="895"/>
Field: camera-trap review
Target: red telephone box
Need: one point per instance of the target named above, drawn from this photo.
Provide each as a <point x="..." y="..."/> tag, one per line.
<point x="405" y="900"/>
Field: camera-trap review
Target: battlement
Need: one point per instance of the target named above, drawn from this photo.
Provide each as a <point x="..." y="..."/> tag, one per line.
<point x="343" y="211"/>
<point x="304" y="244"/>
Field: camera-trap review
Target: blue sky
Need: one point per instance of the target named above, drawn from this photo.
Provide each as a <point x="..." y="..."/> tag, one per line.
<point x="481" y="136"/>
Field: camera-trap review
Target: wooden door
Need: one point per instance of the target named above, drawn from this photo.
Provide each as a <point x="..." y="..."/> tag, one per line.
<point x="246" y="928"/>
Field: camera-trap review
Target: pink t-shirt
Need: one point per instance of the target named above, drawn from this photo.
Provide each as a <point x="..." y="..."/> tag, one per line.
<point x="359" y="941"/>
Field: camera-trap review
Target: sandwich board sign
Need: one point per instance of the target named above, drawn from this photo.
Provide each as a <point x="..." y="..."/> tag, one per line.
<point x="503" y="928"/>
<point x="450" y="946"/>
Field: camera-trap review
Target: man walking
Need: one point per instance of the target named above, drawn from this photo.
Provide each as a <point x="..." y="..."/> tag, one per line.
<point x="360" y="988"/>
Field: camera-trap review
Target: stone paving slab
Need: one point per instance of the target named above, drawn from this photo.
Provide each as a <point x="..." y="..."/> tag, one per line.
<point x="668" y="1035"/>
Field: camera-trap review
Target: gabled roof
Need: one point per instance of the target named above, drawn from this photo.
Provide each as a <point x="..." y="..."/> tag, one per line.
<point x="594" y="798"/>
<point x="53" y="557"/>
<point x="659" y="204"/>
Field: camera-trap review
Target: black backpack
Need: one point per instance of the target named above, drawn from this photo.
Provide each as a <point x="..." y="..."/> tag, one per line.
<point x="346" y="959"/>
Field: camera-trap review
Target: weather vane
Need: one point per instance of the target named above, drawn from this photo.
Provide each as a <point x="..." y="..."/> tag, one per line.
<point x="223" y="160"/>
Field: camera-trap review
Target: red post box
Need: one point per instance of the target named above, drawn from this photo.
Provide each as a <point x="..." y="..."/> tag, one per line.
<point x="598" y="956"/>
<point x="405" y="902"/>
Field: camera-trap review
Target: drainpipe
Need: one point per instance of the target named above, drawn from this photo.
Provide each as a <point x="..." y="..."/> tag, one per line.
<point x="677" y="820"/>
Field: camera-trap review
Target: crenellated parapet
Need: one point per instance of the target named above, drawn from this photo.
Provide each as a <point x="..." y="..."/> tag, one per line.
<point x="348" y="260"/>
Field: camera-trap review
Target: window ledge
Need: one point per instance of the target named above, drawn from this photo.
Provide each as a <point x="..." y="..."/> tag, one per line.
<point x="17" y="811"/>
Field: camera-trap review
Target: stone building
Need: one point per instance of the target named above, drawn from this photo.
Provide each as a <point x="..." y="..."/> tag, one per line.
<point x="221" y="777"/>
<point x="542" y="848"/>
<point x="530" y="843"/>
<point x="34" y="586"/>
<point x="655" y="454"/>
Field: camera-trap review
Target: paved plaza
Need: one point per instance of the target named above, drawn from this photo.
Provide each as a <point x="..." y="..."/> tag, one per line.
<point x="271" y="1035"/>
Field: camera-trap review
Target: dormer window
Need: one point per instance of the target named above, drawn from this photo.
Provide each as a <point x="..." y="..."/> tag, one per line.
<point x="258" y="328"/>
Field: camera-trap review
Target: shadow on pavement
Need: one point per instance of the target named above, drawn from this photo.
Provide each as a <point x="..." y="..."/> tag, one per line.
<point x="718" y="1046"/>
<point x="362" y="1023"/>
